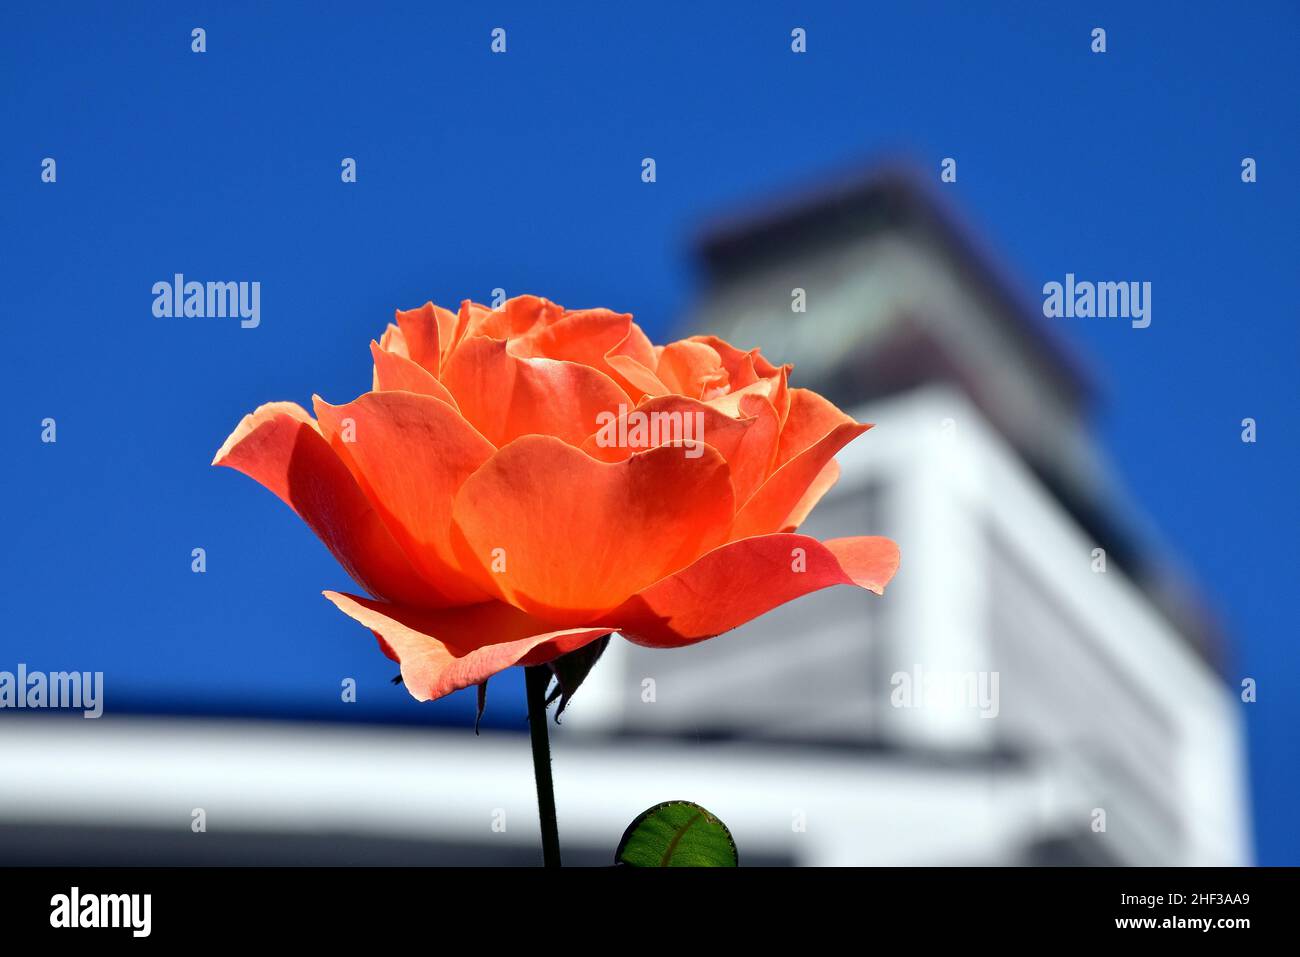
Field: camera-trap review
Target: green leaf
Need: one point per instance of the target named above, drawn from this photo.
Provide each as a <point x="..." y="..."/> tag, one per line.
<point x="572" y="669"/>
<point x="677" y="834"/>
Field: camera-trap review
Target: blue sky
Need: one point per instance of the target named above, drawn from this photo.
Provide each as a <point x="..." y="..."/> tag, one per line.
<point x="522" y="171"/>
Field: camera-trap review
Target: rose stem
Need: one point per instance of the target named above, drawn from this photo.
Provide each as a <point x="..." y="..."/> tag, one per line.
<point x="536" y="678"/>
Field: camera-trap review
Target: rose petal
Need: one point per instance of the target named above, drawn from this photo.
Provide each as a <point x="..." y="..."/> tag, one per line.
<point x="396" y="373"/>
<point x="772" y="505"/>
<point x="393" y="341"/>
<point x="505" y="396"/>
<point x="410" y="454"/>
<point x="773" y="388"/>
<point x="442" y="652"/>
<point x="735" y="361"/>
<point x="810" y="419"/>
<point x="594" y="337"/>
<point x="279" y="446"/>
<point x="512" y="319"/>
<point x="741" y="580"/>
<point x="601" y="338"/>
<point x="564" y="537"/>
<point x="427" y="331"/>
<point x="471" y="315"/>
<point x="748" y="442"/>
<point x="692" y="369"/>
<point x="742" y="373"/>
<point x="578" y="335"/>
<point x="635" y="359"/>
<point x="823" y="483"/>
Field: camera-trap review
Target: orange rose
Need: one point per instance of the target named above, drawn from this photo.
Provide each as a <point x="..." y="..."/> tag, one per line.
<point x="524" y="480"/>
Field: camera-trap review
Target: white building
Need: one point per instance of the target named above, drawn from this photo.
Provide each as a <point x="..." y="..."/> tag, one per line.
<point x="1023" y="573"/>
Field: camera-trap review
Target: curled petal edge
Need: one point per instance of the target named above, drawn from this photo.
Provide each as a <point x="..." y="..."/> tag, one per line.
<point x="741" y="580"/>
<point x="438" y="651"/>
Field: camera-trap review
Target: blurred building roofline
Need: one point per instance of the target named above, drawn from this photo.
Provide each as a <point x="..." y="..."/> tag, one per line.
<point x="861" y="199"/>
<point x="757" y="241"/>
